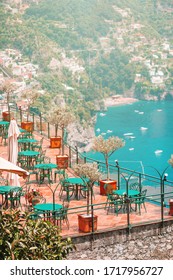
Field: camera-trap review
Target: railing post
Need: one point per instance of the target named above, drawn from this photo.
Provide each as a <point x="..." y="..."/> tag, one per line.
<point x="20" y="110"/>
<point x="33" y="119"/>
<point x="77" y="155"/>
<point x="118" y="171"/>
<point x="41" y="124"/>
<point x="48" y="130"/>
<point x="140" y="182"/>
<point x="162" y="198"/>
<point x="70" y="160"/>
<point x="127" y="202"/>
<point x="92" y="217"/>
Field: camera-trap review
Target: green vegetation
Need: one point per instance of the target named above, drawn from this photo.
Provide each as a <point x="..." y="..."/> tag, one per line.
<point x="24" y="239"/>
<point x="87" y="33"/>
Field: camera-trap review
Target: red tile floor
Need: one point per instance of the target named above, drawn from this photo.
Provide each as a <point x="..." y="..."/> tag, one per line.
<point x="105" y="221"/>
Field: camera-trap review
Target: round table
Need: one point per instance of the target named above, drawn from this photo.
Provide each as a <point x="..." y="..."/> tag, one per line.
<point x="4" y="123"/>
<point x="45" y="167"/>
<point x="48" y="207"/>
<point x="123" y="192"/>
<point x="26" y="141"/>
<point x="29" y="154"/>
<point x="77" y="181"/>
<point x="5" y="190"/>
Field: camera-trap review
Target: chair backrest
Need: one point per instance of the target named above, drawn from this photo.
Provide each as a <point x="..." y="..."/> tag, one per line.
<point x="38" y="199"/>
<point x="3" y="181"/>
<point x="143" y="193"/>
<point x="135" y="186"/>
<point x="16" y="192"/>
<point x="108" y="188"/>
<point x="142" y="197"/>
<point x="46" y="160"/>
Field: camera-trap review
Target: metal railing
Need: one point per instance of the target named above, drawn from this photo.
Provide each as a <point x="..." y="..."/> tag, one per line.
<point x="159" y="189"/>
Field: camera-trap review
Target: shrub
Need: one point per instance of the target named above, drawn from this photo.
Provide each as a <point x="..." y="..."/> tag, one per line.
<point x="25" y="239"/>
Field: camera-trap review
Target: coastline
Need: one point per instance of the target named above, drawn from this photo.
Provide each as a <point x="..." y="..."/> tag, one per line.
<point x="119" y="100"/>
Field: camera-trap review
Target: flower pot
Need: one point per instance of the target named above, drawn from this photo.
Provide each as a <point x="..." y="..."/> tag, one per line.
<point x="62" y="161"/>
<point x="55" y="142"/>
<point x="171" y="207"/>
<point x="28" y="126"/>
<point x="6" y="116"/>
<point x="85" y="222"/>
<point x="110" y="182"/>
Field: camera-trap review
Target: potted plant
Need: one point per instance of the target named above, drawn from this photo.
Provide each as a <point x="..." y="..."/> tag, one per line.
<point x="60" y="117"/>
<point x="89" y="173"/>
<point x="30" y="95"/>
<point x="107" y="147"/>
<point x="33" y="197"/>
<point x="9" y="89"/>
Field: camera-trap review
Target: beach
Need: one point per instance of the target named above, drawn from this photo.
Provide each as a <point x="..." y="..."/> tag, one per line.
<point x="119" y="100"/>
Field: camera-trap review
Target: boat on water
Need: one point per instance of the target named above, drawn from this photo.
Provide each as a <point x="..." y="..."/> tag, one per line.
<point x="98" y="129"/>
<point x="102" y="114"/>
<point x="143" y="128"/>
<point x="109" y="131"/>
<point x="158" y="152"/>
<point x="128" y="134"/>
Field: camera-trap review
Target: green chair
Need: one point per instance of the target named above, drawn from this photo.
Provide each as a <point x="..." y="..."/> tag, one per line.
<point x="40" y="158"/>
<point x="59" y="172"/>
<point x="115" y="202"/>
<point x="140" y="201"/>
<point x="14" y="197"/>
<point x="38" y="145"/>
<point x="67" y="188"/>
<point x="62" y="215"/>
<point x="3" y="182"/>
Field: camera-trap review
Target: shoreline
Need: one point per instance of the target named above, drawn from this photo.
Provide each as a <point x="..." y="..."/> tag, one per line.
<point x="116" y="101"/>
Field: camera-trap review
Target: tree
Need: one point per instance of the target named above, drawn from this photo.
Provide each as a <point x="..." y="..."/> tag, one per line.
<point x="25" y="239"/>
<point x="107" y="147"/>
<point x="89" y="173"/>
<point x="30" y="95"/>
<point x="9" y="89"/>
<point x="60" y="117"/>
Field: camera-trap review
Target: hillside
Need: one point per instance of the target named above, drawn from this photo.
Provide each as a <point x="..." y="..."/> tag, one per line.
<point x="89" y="50"/>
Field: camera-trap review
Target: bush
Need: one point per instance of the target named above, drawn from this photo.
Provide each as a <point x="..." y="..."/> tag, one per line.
<point x="25" y="239"/>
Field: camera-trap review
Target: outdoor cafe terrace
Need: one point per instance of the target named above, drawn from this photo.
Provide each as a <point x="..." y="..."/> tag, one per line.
<point x="157" y="200"/>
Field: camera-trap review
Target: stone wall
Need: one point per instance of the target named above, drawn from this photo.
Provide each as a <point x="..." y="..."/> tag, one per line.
<point x="154" y="241"/>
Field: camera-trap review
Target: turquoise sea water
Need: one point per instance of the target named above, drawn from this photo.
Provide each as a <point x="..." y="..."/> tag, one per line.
<point x="147" y="128"/>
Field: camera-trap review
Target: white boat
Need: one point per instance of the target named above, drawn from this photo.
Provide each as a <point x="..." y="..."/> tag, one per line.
<point x="98" y="129"/>
<point x="131" y="149"/>
<point x="109" y="131"/>
<point x="143" y="128"/>
<point x="159" y="110"/>
<point x="128" y="134"/>
<point x="102" y="114"/>
<point x="103" y="133"/>
<point x="136" y="111"/>
<point x="141" y="113"/>
<point x="158" y="152"/>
